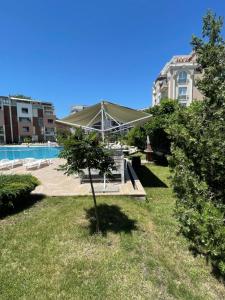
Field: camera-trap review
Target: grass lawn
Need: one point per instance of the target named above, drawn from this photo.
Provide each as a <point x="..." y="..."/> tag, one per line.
<point x="139" y="153"/>
<point x="49" y="251"/>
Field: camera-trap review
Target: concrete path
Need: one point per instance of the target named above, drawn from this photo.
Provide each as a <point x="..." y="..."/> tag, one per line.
<point x="56" y="183"/>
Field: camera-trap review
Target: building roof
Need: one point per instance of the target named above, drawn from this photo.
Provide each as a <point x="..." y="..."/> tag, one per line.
<point x="30" y="100"/>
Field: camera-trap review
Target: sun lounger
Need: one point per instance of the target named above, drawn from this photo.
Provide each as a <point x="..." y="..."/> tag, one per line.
<point x="7" y="164"/>
<point x="17" y="162"/>
<point x="28" y="159"/>
<point x="3" y="160"/>
<point x="36" y="164"/>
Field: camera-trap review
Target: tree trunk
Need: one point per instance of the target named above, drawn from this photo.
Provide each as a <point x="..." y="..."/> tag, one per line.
<point x="95" y="203"/>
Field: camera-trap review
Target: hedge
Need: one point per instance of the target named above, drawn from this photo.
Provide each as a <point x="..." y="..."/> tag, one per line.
<point x="14" y="189"/>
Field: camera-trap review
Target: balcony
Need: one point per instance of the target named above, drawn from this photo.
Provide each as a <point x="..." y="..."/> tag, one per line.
<point x="2" y="130"/>
<point x="49" y="131"/>
<point x="49" y="112"/>
<point x="164" y="85"/>
<point x="25" y="120"/>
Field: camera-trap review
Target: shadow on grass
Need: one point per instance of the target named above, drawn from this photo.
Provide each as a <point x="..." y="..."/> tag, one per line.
<point x="21" y="205"/>
<point x="215" y="270"/>
<point x="112" y="219"/>
<point x="147" y="178"/>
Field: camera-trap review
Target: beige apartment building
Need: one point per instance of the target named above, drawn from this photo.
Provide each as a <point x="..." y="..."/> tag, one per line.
<point x="177" y="80"/>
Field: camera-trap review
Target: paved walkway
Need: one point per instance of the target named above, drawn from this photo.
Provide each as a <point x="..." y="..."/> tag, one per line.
<point x="56" y="183"/>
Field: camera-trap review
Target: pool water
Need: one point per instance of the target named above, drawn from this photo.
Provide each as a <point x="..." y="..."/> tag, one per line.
<point x="32" y="151"/>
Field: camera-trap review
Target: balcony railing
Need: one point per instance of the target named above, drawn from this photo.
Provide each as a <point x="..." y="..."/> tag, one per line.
<point x="25" y="120"/>
<point x="50" y="132"/>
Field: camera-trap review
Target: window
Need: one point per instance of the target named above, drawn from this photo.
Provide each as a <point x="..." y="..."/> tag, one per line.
<point x="182" y="93"/>
<point x="40" y="122"/>
<point x="35" y="112"/>
<point x="24" y="119"/>
<point x="6" y="101"/>
<point x="49" y="130"/>
<point x="25" y="129"/>
<point x="50" y="121"/>
<point x="2" y="140"/>
<point x="1" y="130"/>
<point x="48" y="112"/>
<point x="182" y="77"/>
<point x="24" y="110"/>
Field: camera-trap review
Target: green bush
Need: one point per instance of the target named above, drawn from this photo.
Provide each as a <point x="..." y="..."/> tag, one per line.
<point x="155" y="128"/>
<point x="14" y="189"/>
<point x="157" y="125"/>
<point x="137" y="137"/>
<point x="198" y="151"/>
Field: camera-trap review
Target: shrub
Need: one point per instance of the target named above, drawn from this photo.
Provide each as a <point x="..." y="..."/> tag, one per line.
<point x="27" y="140"/>
<point x="137" y="137"/>
<point x="156" y="127"/>
<point x="198" y="151"/>
<point x="14" y="189"/>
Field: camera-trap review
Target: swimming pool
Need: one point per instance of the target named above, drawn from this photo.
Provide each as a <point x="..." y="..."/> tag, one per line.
<point x="32" y="151"/>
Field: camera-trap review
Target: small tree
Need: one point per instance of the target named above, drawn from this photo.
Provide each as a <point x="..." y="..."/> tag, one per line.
<point x="84" y="151"/>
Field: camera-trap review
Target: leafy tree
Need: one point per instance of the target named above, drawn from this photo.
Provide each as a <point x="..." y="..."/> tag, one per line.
<point x="62" y="134"/>
<point x="198" y="150"/>
<point x="84" y="151"/>
<point x="137" y="137"/>
<point x="156" y="127"/>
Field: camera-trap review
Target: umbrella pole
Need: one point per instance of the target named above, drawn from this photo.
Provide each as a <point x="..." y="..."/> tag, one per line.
<point x="103" y="122"/>
<point x="104" y="183"/>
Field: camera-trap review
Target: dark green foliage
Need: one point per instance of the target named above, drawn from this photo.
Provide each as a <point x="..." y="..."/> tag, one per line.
<point x="84" y="151"/>
<point x="15" y="188"/>
<point x="62" y="134"/>
<point x="198" y="151"/>
<point x="156" y="127"/>
<point x="137" y="137"/>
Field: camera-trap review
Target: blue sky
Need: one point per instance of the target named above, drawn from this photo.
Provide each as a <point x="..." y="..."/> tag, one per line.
<point x="78" y="52"/>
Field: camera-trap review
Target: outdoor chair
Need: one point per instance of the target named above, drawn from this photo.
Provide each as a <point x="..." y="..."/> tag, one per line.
<point x="117" y="174"/>
<point x="9" y="164"/>
<point x="36" y="164"/>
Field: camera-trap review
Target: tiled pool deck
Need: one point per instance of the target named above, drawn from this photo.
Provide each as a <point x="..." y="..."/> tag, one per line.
<point x="56" y="183"/>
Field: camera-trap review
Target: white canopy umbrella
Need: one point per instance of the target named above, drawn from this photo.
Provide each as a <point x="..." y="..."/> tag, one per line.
<point x="106" y="117"/>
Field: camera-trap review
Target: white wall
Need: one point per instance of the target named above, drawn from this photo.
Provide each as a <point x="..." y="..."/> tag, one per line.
<point x="24" y="105"/>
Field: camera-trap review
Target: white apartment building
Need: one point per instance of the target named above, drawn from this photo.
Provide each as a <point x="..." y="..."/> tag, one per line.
<point x="78" y="107"/>
<point x="177" y="80"/>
